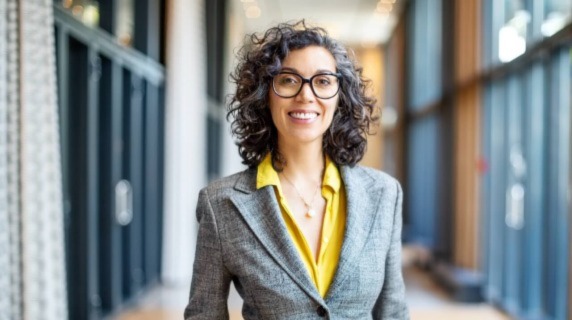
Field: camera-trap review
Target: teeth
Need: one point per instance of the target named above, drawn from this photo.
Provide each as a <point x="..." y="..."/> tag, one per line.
<point x="304" y="115"/>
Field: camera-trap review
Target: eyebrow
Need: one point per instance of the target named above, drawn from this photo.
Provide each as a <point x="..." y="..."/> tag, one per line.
<point x="317" y="71"/>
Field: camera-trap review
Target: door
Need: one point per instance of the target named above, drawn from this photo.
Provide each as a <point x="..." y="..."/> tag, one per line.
<point x="111" y="114"/>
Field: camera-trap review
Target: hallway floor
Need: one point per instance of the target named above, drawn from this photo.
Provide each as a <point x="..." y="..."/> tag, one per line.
<point x="426" y="301"/>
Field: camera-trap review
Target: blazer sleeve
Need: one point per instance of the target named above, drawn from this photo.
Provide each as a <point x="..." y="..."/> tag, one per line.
<point x="211" y="280"/>
<point x="391" y="301"/>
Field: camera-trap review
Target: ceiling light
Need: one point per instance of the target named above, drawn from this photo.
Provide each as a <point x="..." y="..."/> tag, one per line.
<point x="77" y="10"/>
<point x="511" y="43"/>
<point x="554" y="22"/>
<point x="253" y="12"/>
<point x="389" y="117"/>
<point x="384" y="7"/>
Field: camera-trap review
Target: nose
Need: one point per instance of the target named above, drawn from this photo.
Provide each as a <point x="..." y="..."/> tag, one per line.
<point x="306" y="94"/>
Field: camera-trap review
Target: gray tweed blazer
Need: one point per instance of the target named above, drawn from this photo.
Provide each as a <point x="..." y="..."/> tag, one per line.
<point x="242" y="238"/>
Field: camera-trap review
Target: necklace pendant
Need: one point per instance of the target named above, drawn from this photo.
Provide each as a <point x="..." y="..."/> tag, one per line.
<point x="311" y="213"/>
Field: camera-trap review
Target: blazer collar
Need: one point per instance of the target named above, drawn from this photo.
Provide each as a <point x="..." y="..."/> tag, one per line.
<point x="261" y="212"/>
<point x="363" y="196"/>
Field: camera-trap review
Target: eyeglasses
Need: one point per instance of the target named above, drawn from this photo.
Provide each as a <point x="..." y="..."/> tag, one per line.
<point x="323" y="85"/>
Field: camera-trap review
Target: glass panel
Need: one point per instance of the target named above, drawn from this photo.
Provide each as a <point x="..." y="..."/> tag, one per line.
<point x="557" y="14"/>
<point x="425" y="52"/>
<point x="86" y="11"/>
<point x="423" y="168"/>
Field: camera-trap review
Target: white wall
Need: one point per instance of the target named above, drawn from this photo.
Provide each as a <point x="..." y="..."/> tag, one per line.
<point x="232" y="162"/>
<point x="186" y="105"/>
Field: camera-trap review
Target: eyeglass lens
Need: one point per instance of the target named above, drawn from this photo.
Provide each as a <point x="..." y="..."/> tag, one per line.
<point x="288" y="85"/>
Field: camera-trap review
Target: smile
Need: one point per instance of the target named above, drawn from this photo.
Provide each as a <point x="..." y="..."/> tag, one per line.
<point x="303" y="115"/>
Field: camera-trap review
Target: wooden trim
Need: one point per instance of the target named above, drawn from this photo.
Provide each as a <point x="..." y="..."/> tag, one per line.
<point x="401" y="100"/>
<point x="394" y="95"/>
<point x="467" y="133"/>
<point x="394" y="156"/>
<point x="466" y="191"/>
<point x="467" y="40"/>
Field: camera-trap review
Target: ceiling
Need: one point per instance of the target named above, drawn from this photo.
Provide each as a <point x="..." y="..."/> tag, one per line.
<point x="354" y="22"/>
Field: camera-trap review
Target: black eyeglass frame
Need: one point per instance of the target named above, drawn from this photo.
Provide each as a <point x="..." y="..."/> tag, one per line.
<point x="309" y="82"/>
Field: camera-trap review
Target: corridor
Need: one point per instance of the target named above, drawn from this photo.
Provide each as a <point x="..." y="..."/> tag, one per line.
<point x="426" y="301"/>
<point x="113" y="116"/>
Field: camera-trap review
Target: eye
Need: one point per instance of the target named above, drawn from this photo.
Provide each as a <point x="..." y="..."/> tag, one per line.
<point x="324" y="80"/>
<point x="287" y="79"/>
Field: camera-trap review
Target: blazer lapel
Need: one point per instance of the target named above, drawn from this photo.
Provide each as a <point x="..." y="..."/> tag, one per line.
<point x="261" y="211"/>
<point x="362" y="201"/>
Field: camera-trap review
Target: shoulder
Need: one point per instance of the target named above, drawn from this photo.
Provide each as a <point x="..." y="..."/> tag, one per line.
<point x="375" y="174"/>
<point x="373" y="178"/>
<point x="226" y="186"/>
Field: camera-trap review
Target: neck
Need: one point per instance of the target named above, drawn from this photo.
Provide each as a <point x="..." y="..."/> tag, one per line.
<point x="304" y="162"/>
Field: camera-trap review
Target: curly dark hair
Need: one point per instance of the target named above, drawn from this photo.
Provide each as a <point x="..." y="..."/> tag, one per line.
<point x="260" y="60"/>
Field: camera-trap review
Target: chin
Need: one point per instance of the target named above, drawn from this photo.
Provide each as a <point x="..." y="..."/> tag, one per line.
<point x="317" y="137"/>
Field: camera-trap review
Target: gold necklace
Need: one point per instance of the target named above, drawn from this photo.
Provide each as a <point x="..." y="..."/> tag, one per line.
<point x="310" y="212"/>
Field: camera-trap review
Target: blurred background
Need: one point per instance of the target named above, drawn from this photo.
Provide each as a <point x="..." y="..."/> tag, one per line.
<point x="112" y="117"/>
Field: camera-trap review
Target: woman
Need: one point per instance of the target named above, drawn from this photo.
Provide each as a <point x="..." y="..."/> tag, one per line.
<point x="303" y="233"/>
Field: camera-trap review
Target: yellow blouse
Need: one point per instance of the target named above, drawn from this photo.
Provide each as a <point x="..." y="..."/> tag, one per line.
<point x="322" y="271"/>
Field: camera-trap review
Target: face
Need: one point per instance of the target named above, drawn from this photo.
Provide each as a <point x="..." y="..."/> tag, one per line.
<point x="304" y="118"/>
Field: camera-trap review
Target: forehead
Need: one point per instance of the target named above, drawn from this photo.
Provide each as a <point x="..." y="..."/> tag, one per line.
<point x="310" y="59"/>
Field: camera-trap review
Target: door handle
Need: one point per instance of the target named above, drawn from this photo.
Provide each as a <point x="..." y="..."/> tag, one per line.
<point x="514" y="217"/>
<point x="123" y="203"/>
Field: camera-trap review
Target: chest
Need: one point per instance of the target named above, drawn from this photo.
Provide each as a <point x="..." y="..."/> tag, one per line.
<point x="310" y="227"/>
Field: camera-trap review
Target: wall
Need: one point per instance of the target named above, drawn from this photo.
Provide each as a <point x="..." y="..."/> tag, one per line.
<point x="185" y="136"/>
<point x="371" y="59"/>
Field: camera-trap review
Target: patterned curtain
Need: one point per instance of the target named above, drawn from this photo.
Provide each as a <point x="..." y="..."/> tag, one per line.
<point x="32" y="257"/>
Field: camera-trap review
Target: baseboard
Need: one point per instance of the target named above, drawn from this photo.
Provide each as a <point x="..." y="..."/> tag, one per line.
<point x="464" y="285"/>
